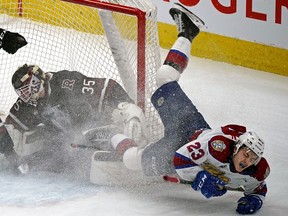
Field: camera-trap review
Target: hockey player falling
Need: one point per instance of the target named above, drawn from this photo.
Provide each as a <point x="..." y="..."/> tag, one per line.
<point x="211" y="159"/>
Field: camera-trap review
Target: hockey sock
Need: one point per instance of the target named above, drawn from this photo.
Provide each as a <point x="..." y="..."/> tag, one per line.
<point x="178" y="54"/>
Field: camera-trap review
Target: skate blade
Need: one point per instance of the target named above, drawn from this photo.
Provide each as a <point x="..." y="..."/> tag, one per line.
<point x="195" y="19"/>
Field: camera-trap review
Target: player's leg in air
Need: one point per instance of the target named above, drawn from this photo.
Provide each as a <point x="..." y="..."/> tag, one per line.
<point x="179" y="115"/>
<point x="173" y="105"/>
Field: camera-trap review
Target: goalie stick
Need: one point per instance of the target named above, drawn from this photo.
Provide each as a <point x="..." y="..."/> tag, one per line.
<point x="96" y="138"/>
<point x="174" y="179"/>
<point x="81" y="146"/>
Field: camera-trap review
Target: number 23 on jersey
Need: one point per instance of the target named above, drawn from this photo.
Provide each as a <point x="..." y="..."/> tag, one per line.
<point x="195" y="151"/>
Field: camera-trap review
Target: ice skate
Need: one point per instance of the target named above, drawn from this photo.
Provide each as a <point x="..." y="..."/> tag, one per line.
<point x="188" y="24"/>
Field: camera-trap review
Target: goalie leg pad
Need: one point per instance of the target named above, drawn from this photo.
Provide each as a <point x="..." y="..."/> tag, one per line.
<point x="23" y="145"/>
<point x="114" y="173"/>
<point x="103" y="170"/>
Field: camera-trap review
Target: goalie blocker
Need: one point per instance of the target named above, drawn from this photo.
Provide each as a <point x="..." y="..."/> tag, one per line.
<point x="6" y="148"/>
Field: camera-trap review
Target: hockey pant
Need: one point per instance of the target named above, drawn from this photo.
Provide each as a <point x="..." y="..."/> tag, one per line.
<point x="181" y="120"/>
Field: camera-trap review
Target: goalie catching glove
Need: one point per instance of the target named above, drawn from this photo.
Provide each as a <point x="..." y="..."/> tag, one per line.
<point x="11" y="41"/>
<point x="131" y="119"/>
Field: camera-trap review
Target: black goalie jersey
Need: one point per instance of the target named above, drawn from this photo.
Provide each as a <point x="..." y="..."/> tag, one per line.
<point x="71" y="99"/>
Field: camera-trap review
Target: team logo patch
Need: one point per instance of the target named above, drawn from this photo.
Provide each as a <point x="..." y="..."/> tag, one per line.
<point x="215" y="171"/>
<point x="218" y="145"/>
<point x="68" y="84"/>
<point x="160" y="101"/>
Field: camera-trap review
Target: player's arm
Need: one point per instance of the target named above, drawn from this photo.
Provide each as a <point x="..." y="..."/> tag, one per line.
<point x="185" y="163"/>
<point x="188" y="162"/>
<point x="189" y="157"/>
<point x="23" y="116"/>
<point x="11" y="41"/>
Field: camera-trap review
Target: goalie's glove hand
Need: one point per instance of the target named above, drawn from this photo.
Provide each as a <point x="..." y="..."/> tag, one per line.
<point x="131" y="119"/>
<point x="209" y="185"/>
<point x="11" y="41"/>
<point x="249" y="204"/>
<point x="18" y="166"/>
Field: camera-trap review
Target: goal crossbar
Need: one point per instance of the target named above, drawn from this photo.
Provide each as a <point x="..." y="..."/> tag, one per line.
<point x="141" y="21"/>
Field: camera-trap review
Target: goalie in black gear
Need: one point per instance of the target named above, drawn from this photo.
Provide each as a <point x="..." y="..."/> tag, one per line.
<point x="57" y="109"/>
<point x="11" y="41"/>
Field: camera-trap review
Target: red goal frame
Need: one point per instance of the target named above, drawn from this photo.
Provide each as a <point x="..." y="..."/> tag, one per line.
<point x="141" y="29"/>
<point x="141" y="22"/>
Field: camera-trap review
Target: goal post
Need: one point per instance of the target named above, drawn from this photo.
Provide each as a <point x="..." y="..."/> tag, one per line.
<point x="115" y="39"/>
<point x="125" y="71"/>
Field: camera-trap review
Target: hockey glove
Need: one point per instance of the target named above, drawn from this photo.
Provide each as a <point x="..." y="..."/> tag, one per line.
<point x="249" y="204"/>
<point x="132" y="120"/>
<point x="11" y="41"/>
<point x="209" y="185"/>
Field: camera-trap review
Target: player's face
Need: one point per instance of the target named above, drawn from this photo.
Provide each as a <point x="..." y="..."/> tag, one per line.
<point x="244" y="159"/>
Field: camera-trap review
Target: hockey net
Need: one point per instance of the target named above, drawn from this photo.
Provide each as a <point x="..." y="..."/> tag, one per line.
<point x="116" y="39"/>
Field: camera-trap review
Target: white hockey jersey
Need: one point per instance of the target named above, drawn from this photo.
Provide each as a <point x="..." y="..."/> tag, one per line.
<point x="212" y="150"/>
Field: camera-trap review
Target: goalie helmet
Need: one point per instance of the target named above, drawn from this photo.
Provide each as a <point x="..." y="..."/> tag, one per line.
<point x="28" y="82"/>
<point x="253" y="142"/>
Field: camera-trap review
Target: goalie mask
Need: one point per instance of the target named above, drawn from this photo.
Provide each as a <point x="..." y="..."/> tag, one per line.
<point x="252" y="142"/>
<point x="28" y="82"/>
